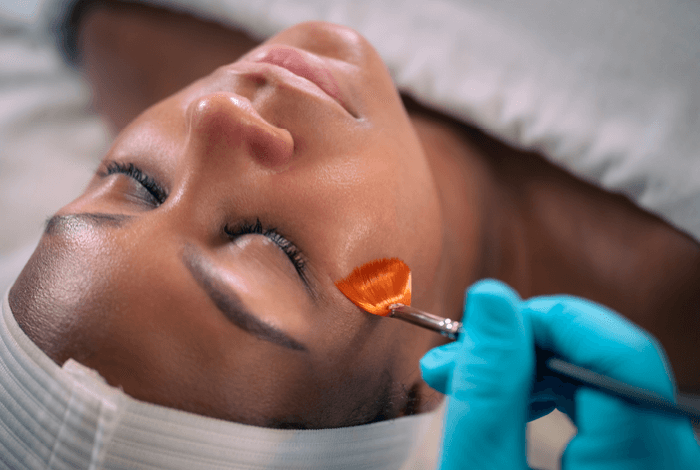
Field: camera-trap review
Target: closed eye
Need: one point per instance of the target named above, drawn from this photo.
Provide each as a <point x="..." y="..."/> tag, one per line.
<point x="289" y="249"/>
<point x="149" y="183"/>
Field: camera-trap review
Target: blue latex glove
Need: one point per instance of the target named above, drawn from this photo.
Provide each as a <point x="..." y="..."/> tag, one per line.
<point x="489" y="375"/>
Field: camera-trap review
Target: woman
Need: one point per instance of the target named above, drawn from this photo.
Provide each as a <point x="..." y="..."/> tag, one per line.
<point x="245" y="216"/>
<point x="259" y="186"/>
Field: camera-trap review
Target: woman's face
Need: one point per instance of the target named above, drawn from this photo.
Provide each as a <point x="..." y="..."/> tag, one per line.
<point x="197" y="270"/>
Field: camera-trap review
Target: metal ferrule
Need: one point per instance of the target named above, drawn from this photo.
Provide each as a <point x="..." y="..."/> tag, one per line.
<point x="444" y="326"/>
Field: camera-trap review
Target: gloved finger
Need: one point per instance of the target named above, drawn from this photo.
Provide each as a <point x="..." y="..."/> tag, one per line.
<point x="437" y="365"/>
<point x="616" y="436"/>
<point x="489" y="390"/>
<point x="607" y="418"/>
<point x="592" y="336"/>
<point x="497" y="357"/>
<point x="612" y="434"/>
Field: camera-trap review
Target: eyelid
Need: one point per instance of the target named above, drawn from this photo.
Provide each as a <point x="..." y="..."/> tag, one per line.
<point x="131" y="170"/>
<point x="295" y="255"/>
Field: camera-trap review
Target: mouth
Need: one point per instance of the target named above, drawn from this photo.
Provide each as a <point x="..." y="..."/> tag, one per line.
<point x="305" y="65"/>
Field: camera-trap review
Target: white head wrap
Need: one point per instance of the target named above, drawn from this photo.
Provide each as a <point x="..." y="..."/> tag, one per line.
<point x="69" y="418"/>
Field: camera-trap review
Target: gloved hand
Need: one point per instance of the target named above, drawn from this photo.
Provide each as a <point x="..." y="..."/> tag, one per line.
<point x="489" y="375"/>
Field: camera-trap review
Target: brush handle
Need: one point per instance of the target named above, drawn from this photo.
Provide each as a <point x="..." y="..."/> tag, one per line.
<point x="687" y="405"/>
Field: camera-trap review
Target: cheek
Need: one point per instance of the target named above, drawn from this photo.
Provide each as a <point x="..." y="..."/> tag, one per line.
<point x="420" y="228"/>
<point x="348" y="379"/>
<point x="388" y="208"/>
<point x="376" y="201"/>
<point x="411" y="192"/>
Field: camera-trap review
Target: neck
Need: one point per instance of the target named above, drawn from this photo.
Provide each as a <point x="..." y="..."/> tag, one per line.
<point x="513" y="216"/>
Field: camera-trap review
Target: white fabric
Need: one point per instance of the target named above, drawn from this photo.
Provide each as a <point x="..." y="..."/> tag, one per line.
<point x="69" y="418"/>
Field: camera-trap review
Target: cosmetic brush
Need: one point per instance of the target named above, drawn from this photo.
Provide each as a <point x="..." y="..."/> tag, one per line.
<point x="383" y="287"/>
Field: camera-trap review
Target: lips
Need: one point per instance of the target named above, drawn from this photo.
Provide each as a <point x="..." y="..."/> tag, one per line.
<point x="304" y="65"/>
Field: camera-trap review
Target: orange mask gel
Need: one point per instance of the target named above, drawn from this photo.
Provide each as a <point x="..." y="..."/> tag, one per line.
<point x="376" y="285"/>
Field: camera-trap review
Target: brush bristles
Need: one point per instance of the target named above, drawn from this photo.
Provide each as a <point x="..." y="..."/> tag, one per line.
<point x="376" y="285"/>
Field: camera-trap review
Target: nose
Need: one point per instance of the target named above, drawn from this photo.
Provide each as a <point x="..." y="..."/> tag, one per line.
<point x="226" y="126"/>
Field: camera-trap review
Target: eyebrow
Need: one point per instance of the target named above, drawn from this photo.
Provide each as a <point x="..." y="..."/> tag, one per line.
<point x="225" y="298"/>
<point x="61" y="224"/>
<point x="230" y="304"/>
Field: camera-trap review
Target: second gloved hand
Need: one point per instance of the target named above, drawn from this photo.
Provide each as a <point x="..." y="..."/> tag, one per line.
<point x="489" y="376"/>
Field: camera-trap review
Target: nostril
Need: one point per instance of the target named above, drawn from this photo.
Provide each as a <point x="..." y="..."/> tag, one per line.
<point x="272" y="149"/>
<point x="227" y="125"/>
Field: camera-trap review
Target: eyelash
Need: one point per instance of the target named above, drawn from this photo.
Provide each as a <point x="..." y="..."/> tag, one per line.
<point x="149" y="184"/>
<point x="292" y="252"/>
<point x="159" y="194"/>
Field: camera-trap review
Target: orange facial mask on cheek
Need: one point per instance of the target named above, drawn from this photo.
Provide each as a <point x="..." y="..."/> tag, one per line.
<point x="376" y="285"/>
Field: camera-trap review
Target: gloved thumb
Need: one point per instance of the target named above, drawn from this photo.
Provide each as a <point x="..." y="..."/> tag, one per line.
<point x="489" y="386"/>
<point x="438" y="363"/>
<point x="496" y="359"/>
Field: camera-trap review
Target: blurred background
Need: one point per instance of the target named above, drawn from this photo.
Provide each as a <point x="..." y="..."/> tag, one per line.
<point x="50" y="140"/>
